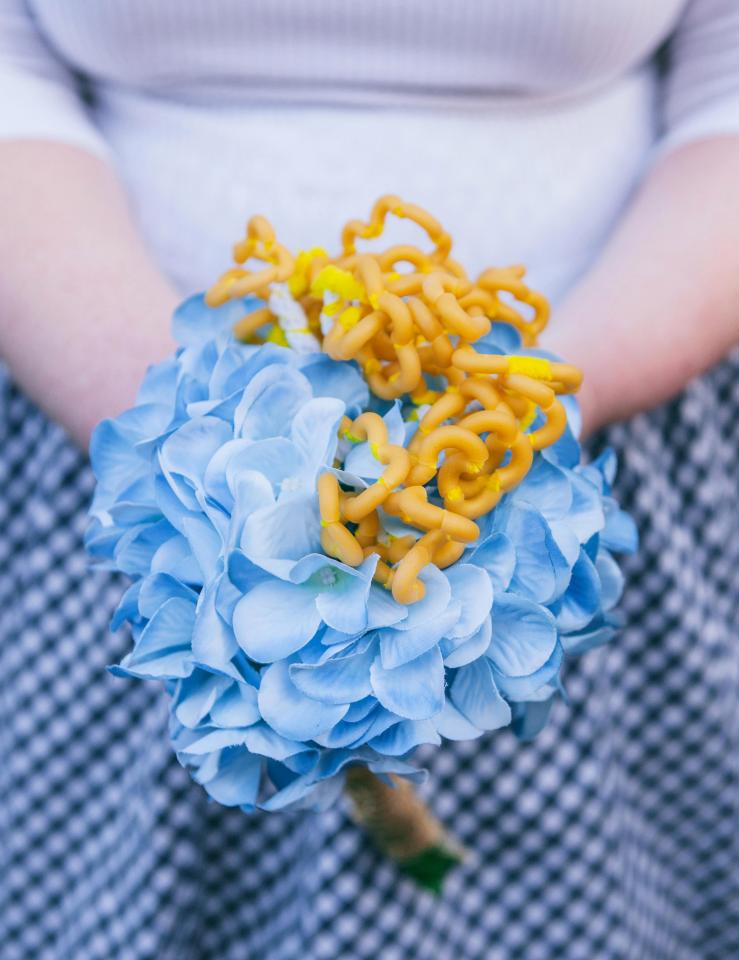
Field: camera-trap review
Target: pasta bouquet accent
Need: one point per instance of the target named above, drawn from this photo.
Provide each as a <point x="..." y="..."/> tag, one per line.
<point x="354" y="514"/>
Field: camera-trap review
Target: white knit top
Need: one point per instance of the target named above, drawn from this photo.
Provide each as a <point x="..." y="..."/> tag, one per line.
<point x="523" y="124"/>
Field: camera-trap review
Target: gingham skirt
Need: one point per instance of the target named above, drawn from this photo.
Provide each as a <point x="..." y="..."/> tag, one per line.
<point x="614" y="836"/>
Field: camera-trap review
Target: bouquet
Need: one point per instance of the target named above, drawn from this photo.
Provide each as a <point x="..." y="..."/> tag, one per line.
<point x="355" y="520"/>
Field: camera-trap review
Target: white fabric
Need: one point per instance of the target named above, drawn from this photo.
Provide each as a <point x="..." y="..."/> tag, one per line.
<point x="523" y="126"/>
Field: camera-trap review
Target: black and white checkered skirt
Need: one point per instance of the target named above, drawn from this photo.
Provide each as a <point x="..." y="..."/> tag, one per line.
<point x="614" y="836"/>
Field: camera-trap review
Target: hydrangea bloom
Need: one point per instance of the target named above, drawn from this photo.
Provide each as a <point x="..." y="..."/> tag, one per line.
<point x="285" y="665"/>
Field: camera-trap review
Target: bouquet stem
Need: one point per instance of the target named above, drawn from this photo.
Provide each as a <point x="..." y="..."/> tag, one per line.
<point x="402" y="827"/>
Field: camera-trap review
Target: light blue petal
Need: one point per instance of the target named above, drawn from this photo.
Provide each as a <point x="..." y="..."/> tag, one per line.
<point x="262" y="739"/>
<point x="476" y="696"/>
<point x="204" y="542"/>
<point x="237" y="782"/>
<point x="382" y="610"/>
<point x="175" y="558"/>
<point x="497" y="556"/>
<point x="434" y="603"/>
<point x="163" y="649"/>
<point x="531" y="718"/>
<point x="213" y="642"/>
<point x="236" y="707"/>
<point x="619" y="533"/>
<point x="581" y="600"/>
<point x="284" y="531"/>
<point x="457" y="652"/>
<point x="290" y="712"/>
<point x="275" y="619"/>
<point x="128" y="606"/>
<point x="453" y="725"/>
<point x="524" y="635"/>
<point x="546" y="487"/>
<point x="611" y="579"/>
<point x="529" y="687"/>
<point x="314" y="431"/>
<point x="361" y="459"/>
<point x="157" y="589"/>
<point x="577" y="643"/>
<point x="472" y="588"/>
<point x="136" y="551"/>
<point x="400" y="646"/>
<point x="196" y="695"/>
<point x="340" y="679"/>
<point x="276" y="458"/>
<point x="214" y="479"/>
<point x="194" y="323"/>
<point x="541" y="570"/>
<point x="415" y="690"/>
<point x="115" y="462"/>
<point x="251" y="491"/>
<point x="331" y="378"/>
<point x="270" y="402"/>
<point x="185" y="454"/>
<point x="343" y="604"/>
<point x="403" y="737"/>
<point x="586" y="516"/>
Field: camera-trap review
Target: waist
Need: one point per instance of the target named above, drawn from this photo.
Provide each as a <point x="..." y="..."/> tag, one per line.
<point x="539" y="182"/>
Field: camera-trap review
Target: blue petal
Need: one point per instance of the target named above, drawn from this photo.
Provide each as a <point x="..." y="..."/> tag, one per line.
<point x="581" y="600"/>
<point x="586" y="516"/>
<point x="476" y="696"/>
<point x="362" y="461"/>
<point x="276" y="458"/>
<point x="400" y="646"/>
<point x="458" y="652"/>
<point x="262" y="739"/>
<point x="340" y="679"/>
<point x="620" y="533"/>
<point x="237" y="707"/>
<point x="434" y="603"/>
<point x="176" y="559"/>
<point x="115" y="462"/>
<point x="531" y="718"/>
<point x="472" y="588"/>
<point x="196" y="695"/>
<point x="204" y="543"/>
<point x="194" y="323"/>
<point x="128" y="606"/>
<point x="382" y="610"/>
<point x="497" y="556"/>
<point x="524" y="635"/>
<point x="546" y="487"/>
<point x="290" y="712"/>
<point x="415" y="690"/>
<point x="270" y="402"/>
<point x="275" y="619"/>
<point x="330" y="378"/>
<point x="584" y="640"/>
<point x="343" y="605"/>
<point x="237" y="782"/>
<point x="284" y="531"/>
<point x="453" y="725"/>
<point x="157" y="589"/>
<point x="314" y="431"/>
<point x="529" y="687"/>
<point x="611" y="579"/>
<point x="541" y="570"/>
<point x="163" y="649"/>
<point x="251" y="491"/>
<point x="185" y="455"/>
<point x="403" y="737"/>
<point x="213" y="641"/>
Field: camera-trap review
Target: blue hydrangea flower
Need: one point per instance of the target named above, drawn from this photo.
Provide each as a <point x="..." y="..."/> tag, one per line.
<point x="284" y="665"/>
